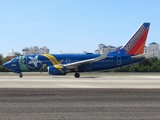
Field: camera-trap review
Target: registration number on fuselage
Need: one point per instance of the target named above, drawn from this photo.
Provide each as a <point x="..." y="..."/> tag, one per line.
<point x="13" y="65"/>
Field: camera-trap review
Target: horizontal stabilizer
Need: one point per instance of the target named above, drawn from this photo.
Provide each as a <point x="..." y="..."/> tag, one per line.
<point x="142" y="55"/>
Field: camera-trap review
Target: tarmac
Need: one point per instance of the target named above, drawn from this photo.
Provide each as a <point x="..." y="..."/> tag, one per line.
<point x="87" y="80"/>
<point x="96" y="96"/>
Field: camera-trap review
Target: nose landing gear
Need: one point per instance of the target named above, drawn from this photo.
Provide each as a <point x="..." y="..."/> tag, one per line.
<point x="20" y="75"/>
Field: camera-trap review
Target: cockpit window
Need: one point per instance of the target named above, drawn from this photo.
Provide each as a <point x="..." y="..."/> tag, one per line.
<point x="14" y="59"/>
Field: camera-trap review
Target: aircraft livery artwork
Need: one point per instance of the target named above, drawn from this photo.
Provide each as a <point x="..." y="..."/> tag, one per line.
<point x="32" y="63"/>
<point x="61" y="64"/>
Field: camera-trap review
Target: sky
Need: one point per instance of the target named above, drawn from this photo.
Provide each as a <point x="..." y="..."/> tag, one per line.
<point x="74" y="26"/>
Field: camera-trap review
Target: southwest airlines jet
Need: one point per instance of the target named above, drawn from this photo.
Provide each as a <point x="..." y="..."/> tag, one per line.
<point x="61" y="64"/>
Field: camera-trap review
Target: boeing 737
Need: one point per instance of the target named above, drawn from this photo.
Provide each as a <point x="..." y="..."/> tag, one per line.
<point x="61" y="64"/>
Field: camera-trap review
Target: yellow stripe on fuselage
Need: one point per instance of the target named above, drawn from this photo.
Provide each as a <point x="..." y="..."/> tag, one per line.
<point x="54" y="62"/>
<point x="51" y="58"/>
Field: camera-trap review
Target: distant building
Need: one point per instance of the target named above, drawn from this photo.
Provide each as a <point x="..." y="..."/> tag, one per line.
<point x="44" y="50"/>
<point x="12" y="53"/>
<point x="153" y="47"/>
<point x="35" y="50"/>
<point x="102" y="47"/>
<point x="26" y="51"/>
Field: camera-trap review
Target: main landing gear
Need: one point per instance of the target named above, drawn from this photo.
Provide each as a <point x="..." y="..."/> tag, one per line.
<point x="76" y="75"/>
<point x="20" y="75"/>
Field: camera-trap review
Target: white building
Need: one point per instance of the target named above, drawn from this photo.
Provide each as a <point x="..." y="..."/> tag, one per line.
<point x="12" y="53"/>
<point x="102" y="47"/>
<point x="35" y="50"/>
<point x="44" y="50"/>
<point x="153" y="47"/>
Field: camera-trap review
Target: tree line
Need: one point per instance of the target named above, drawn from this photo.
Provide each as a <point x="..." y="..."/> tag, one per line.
<point x="3" y="60"/>
<point x="148" y="65"/>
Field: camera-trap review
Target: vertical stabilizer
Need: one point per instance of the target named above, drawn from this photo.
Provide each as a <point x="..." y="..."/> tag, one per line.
<point x="137" y="42"/>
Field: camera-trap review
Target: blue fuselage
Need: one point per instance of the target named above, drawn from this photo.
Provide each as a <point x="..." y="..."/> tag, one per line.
<point x="41" y="62"/>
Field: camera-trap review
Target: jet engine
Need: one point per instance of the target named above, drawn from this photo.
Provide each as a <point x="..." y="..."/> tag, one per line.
<point x="57" y="70"/>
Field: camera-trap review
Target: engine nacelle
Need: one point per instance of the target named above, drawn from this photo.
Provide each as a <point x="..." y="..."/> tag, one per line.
<point x="57" y="70"/>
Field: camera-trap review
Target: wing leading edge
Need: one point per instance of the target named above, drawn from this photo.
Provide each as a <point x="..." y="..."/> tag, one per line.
<point x="74" y="65"/>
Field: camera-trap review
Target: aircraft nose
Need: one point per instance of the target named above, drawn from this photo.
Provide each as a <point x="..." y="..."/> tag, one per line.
<point x="6" y="65"/>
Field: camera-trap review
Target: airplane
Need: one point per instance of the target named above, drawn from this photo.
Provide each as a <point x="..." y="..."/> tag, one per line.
<point x="61" y="64"/>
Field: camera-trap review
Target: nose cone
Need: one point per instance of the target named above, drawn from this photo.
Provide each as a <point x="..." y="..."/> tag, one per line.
<point x="6" y="65"/>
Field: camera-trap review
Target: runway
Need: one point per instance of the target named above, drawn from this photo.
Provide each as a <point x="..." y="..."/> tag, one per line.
<point x="123" y="80"/>
<point x="93" y="96"/>
<point x="78" y="104"/>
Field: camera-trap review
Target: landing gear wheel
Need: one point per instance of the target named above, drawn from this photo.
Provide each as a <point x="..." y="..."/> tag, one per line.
<point x="20" y="75"/>
<point x="77" y="75"/>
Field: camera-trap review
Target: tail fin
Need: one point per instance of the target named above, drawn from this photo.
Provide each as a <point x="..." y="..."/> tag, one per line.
<point x="137" y="42"/>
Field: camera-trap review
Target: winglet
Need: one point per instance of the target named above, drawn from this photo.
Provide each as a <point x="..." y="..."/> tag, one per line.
<point x="103" y="56"/>
<point x="136" y="44"/>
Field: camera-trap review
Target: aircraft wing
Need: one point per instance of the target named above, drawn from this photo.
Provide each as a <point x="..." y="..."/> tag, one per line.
<point x="142" y="55"/>
<point x="76" y="64"/>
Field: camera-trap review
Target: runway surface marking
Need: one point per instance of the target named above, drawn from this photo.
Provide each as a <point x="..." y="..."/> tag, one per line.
<point x="95" y="81"/>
